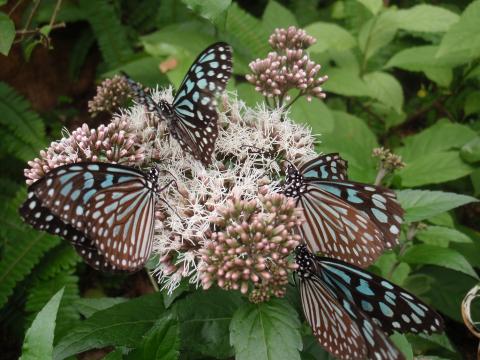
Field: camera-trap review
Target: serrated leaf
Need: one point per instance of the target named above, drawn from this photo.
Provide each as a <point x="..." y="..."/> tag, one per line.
<point x="314" y="114"/>
<point x="277" y="16"/>
<point x="434" y="168"/>
<point x="374" y="6"/>
<point x="434" y="255"/>
<point x="89" y="306"/>
<point x="441" y="236"/>
<point x="352" y="138"/>
<point x="208" y="9"/>
<point x="204" y="321"/>
<point x="38" y="343"/>
<point x="463" y="38"/>
<point x="385" y="88"/>
<point x="329" y="36"/>
<point x="346" y="82"/>
<point x="266" y="331"/>
<point x="423" y="204"/>
<point x="377" y="32"/>
<point x="161" y="342"/>
<point x="7" y="33"/>
<point x="426" y="18"/>
<point x="120" y="325"/>
<point x="470" y="152"/>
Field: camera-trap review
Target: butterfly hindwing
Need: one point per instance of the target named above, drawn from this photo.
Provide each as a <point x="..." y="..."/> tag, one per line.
<point x="325" y="167"/>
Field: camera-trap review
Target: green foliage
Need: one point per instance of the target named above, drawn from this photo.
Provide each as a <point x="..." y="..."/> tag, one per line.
<point x="7" y="32"/>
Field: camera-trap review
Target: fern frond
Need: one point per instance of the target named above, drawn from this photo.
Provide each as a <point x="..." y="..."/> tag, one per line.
<point x="22" y="130"/>
<point x="61" y="259"/>
<point x="110" y="34"/>
<point x="246" y="33"/>
<point x="24" y="247"/>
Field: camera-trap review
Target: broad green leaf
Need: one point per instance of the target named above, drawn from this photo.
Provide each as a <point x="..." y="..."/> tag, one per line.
<point x="374" y="6"/>
<point x="470" y="152"/>
<point x="434" y="168"/>
<point x="443" y="219"/>
<point x="386" y="89"/>
<point x="120" y="325"/>
<point x="346" y="82"/>
<point x="277" y="16"/>
<point x="314" y="114"/>
<point x="441" y="236"/>
<point x="208" y="9"/>
<point x="423" y="204"/>
<point x="400" y="340"/>
<point x="161" y="342"/>
<point x="472" y="103"/>
<point x="267" y="331"/>
<point x="442" y="76"/>
<point x="442" y="136"/>
<point x="377" y="32"/>
<point x="248" y="94"/>
<point x="463" y="37"/>
<point x="424" y="343"/>
<point x="38" y="343"/>
<point x="388" y="262"/>
<point x="426" y="18"/>
<point x="204" y="321"/>
<point x="329" y="36"/>
<point x="424" y="254"/>
<point x="89" y="306"/>
<point x="7" y="33"/>
<point x="352" y="138"/>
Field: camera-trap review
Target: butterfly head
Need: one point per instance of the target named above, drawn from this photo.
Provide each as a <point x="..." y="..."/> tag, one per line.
<point x="305" y="261"/>
<point x="294" y="182"/>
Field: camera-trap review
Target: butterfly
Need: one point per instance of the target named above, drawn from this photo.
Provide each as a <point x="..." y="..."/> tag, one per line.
<point x="107" y="211"/>
<point x="351" y="311"/>
<point x="347" y="220"/>
<point x="192" y="116"/>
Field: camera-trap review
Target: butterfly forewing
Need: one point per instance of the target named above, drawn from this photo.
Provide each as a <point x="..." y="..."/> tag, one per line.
<point x="394" y="308"/>
<point x="335" y="228"/>
<point x="195" y="125"/>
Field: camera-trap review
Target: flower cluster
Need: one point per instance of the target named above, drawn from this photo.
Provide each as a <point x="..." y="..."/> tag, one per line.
<point x="288" y="67"/>
<point x="389" y="162"/>
<point x="111" y="95"/>
<point x="114" y="143"/>
<point x="249" y="249"/>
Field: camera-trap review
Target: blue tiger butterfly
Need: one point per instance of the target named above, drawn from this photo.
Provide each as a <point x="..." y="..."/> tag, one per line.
<point x="351" y="311"/>
<point x="192" y="116"/>
<point x="347" y="220"/>
<point x="107" y="211"/>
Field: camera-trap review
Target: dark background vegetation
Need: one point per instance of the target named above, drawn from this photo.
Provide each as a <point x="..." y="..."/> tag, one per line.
<point x="403" y="74"/>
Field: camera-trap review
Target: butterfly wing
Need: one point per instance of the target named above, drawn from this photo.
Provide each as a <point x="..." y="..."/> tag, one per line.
<point x="325" y="167"/>
<point x="337" y="229"/>
<point x="393" y="308"/>
<point x="194" y="106"/>
<point x="142" y="97"/>
<point x="377" y="203"/>
<point x="42" y="219"/>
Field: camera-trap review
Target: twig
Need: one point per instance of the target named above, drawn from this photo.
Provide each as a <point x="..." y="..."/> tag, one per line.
<point x="12" y="10"/>
<point x="55" y="13"/>
<point x="152" y="281"/>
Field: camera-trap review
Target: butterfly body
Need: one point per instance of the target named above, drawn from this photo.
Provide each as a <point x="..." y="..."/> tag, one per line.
<point x="105" y="210"/>
<point x="351" y="311"/>
<point x="192" y="117"/>
<point x="347" y="220"/>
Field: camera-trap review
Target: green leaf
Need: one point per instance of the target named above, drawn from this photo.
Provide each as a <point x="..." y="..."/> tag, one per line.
<point x="204" y="321"/>
<point x="277" y="16"/>
<point x="346" y="82"/>
<point x="423" y="204"/>
<point x="377" y="32"/>
<point x="386" y="89"/>
<point x="7" y="33"/>
<point x="463" y="38"/>
<point x="434" y="168"/>
<point x="266" y="331"/>
<point x="426" y="18"/>
<point x="161" y="342"/>
<point x="470" y="152"/>
<point x="434" y="255"/>
<point x="441" y="236"/>
<point x="120" y="325"/>
<point x="442" y="136"/>
<point x="89" y="306"/>
<point x="352" y="138"/>
<point x="374" y="6"/>
<point x="472" y="103"/>
<point x="38" y="343"/>
<point x="246" y="92"/>
<point x="443" y="219"/>
<point x="208" y="9"/>
<point x="314" y="114"/>
<point x="400" y="340"/>
<point x="330" y="36"/>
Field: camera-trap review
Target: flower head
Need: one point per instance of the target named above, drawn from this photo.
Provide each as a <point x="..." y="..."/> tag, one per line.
<point x="111" y="94"/>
